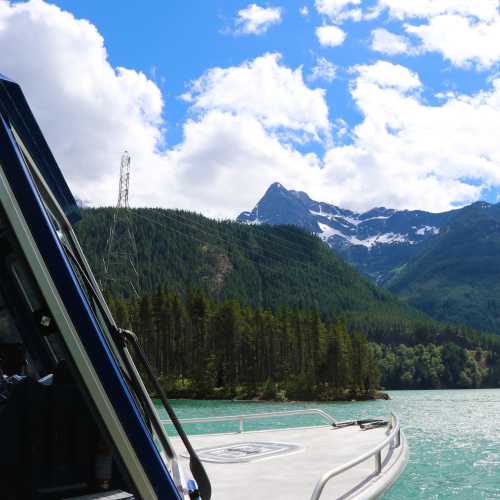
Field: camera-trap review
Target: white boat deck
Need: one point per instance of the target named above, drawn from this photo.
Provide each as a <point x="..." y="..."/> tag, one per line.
<point x="294" y="475"/>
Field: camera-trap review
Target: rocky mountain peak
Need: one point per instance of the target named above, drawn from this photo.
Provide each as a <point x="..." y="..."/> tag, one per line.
<point x="365" y="239"/>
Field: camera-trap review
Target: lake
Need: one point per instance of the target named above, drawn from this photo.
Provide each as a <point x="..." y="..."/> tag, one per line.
<point x="454" y="436"/>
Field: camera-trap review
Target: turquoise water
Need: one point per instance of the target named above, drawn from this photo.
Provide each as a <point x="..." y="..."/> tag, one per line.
<point x="454" y="436"/>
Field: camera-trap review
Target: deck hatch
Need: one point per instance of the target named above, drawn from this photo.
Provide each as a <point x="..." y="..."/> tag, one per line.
<point x="246" y="452"/>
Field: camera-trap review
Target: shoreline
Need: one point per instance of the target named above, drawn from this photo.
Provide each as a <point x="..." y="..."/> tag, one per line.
<point x="378" y="395"/>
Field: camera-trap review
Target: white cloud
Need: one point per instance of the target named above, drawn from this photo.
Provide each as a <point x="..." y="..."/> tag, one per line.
<point x="408" y="154"/>
<point x="323" y="70"/>
<point x="304" y="11"/>
<point x="466" y="32"/>
<point x="385" y="75"/>
<point x="389" y="43"/>
<point x="485" y="10"/>
<point x="265" y="89"/>
<point x="226" y="161"/>
<point x="89" y="111"/>
<point x="339" y="10"/>
<point x="330" y="36"/>
<point x="256" y="20"/>
<point x="233" y="148"/>
<point x="461" y="40"/>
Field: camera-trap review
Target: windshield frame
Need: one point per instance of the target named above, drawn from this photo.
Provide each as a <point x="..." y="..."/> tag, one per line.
<point x="90" y="287"/>
<point x="83" y="332"/>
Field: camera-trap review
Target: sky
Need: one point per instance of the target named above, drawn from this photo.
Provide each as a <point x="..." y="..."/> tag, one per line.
<point x="359" y="103"/>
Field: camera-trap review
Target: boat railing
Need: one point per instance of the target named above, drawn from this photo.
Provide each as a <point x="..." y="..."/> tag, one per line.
<point x="257" y="416"/>
<point x="393" y="440"/>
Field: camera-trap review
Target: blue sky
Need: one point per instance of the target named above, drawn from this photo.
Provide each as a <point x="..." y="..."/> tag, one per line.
<point x="396" y="105"/>
<point x="156" y="38"/>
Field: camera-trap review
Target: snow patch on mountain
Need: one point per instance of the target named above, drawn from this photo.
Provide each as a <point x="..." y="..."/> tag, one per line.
<point x="390" y="238"/>
<point x="327" y="232"/>
<point x="427" y="229"/>
<point x="380" y="239"/>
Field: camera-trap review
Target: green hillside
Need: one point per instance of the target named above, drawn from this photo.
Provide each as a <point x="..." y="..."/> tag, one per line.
<point x="265" y="266"/>
<point x="457" y="278"/>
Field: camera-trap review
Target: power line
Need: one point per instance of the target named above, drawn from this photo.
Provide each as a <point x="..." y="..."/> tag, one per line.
<point x="272" y="238"/>
<point x="264" y="252"/>
<point x="279" y="259"/>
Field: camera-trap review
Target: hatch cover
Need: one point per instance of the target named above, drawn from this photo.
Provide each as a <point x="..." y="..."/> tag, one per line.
<point x="246" y="452"/>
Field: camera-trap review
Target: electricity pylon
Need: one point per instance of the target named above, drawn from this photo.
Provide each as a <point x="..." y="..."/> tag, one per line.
<point x="120" y="259"/>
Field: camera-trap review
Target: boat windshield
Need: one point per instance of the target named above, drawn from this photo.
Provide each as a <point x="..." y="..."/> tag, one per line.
<point x="97" y="304"/>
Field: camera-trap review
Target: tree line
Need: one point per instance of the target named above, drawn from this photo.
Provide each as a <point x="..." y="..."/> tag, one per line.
<point x="208" y="349"/>
<point x="434" y="366"/>
<point x="201" y="348"/>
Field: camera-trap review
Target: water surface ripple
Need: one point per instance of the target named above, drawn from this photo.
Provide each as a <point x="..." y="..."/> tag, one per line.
<point x="454" y="436"/>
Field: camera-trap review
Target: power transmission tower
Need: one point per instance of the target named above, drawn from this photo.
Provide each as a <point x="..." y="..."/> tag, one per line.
<point x="120" y="260"/>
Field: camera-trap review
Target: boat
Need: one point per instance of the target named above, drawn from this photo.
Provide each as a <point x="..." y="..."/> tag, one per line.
<point x="76" y="419"/>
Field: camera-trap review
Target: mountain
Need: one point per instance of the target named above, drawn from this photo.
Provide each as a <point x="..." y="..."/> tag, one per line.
<point x="445" y="264"/>
<point x="377" y="242"/>
<point x="457" y="277"/>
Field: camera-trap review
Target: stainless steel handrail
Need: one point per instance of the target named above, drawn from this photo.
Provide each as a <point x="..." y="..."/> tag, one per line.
<point x="257" y="416"/>
<point x="393" y="439"/>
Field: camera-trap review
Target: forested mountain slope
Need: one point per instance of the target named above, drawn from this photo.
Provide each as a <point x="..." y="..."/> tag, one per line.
<point x="257" y="265"/>
<point x="457" y="278"/>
